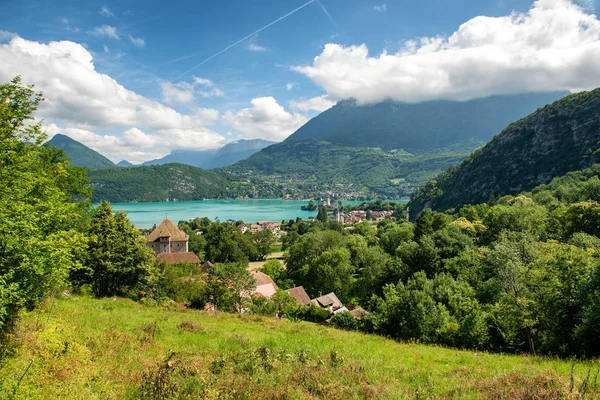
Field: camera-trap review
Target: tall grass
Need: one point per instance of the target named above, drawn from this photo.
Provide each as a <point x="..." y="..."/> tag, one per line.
<point x="116" y="348"/>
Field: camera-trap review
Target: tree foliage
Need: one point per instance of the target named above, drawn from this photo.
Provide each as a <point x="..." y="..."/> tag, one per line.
<point x="42" y="206"/>
<point x="117" y="261"/>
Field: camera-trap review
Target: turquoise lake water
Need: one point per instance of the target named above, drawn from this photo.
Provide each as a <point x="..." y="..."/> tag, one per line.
<point x="145" y="215"/>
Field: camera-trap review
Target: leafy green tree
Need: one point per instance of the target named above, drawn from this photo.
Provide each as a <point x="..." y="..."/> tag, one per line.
<point x="307" y="248"/>
<point x="277" y="272"/>
<point x="331" y="271"/>
<point x="582" y="217"/>
<point x="118" y="262"/>
<point x="42" y="207"/>
<point x="521" y="215"/>
<point x="557" y="277"/>
<point x="280" y="304"/>
<point x="262" y="242"/>
<point x="507" y="264"/>
<point x="586" y="334"/>
<point x="424" y="223"/>
<point x="230" y="285"/>
<point x="372" y="268"/>
<point x="344" y="320"/>
<point x="226" y="244"/>
<point x="183" y="283"/>
<point x="394" y="236"/>
<point x="410" y="312"/>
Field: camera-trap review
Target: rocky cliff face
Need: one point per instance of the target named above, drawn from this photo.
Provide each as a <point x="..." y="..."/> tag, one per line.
<point x="561" y="137"/>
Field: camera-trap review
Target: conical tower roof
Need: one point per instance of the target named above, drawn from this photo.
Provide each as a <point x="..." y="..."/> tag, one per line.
<point x="167" y="229"/>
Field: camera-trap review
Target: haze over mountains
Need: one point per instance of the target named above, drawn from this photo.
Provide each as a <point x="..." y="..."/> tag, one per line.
<point x="83" y="156"/>
<point x="208" y="159"/>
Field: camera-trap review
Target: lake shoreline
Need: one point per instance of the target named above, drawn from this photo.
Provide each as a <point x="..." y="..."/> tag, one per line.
<point x="146" y="214"/>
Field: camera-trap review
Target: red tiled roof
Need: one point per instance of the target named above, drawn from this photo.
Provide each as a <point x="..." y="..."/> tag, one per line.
<point x="263" y="279"/>
<point x="178" y="258"/>
<point x="300" y="295"/>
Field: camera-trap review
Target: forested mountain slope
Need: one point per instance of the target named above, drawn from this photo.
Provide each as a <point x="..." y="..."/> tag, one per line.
<point x="159" y="183"/>
<point x="559" y="138"/>
<point x="80" y="155"/>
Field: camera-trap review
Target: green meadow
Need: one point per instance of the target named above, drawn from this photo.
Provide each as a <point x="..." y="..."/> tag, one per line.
<point x="114" y="348"/>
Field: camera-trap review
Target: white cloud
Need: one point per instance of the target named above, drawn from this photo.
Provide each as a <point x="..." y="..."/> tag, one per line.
<point x="381" y="8"/>
<point x="137" y="138"/>
<point x="105" y="30"/>
<point x="554" y="46"/>
<point x="105" y="11"/>
<point x="106" y="49"/>
<point x="6" y="35"/>
<point x="81" y="101"/>
<point x="252" y="46"/>
<point x="139" y="42"/>
<point x="177" y="92"/>
<point x="266" y="119"/>
<point x="291" y="85"/>
<point x="118" y="148"/>
<point x="183" y="92"/>
<point x="209" y="116"/>
<point x="203" y="82"/>
<point x="319" y="104"/>
<point x="255" y="47"/>
<point x="214" y="92"/>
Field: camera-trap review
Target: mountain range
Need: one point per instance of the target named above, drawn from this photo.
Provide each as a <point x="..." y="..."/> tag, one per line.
<point x="389" y="148"/>
<point x="83" y="156"/>
<point x="209" y="159"/>
<point x="561" y="137"/>
<point x="418" y="127"/>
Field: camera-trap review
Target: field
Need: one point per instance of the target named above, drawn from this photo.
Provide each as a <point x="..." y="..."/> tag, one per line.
<point x="116" y="348"/>
<point x="278" y="255"/>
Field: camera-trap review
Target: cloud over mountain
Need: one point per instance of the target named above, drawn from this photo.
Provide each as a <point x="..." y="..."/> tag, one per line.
<point x="266" y="119"/>
<point x="553" y="46"/>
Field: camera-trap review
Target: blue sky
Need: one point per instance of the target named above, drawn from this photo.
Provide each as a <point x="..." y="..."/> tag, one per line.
<point x="269" y="84"/>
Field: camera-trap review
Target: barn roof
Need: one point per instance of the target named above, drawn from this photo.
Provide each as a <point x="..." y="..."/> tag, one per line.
<point x="300" y="295"/>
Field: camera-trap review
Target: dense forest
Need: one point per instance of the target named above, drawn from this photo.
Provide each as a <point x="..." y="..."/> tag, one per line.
<point x="561" y="137"/>
<point x="161" y="183"/>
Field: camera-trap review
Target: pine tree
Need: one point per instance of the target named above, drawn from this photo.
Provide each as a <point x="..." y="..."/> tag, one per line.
<point x="322" y="215"/>
<point x="118" y="260"/>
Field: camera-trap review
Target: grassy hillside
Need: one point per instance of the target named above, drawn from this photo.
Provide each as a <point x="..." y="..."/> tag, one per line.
<point x="115" y="348"/>
<point x="80" y="155"/>
<point x="556" y="139"/>
<point x="159" y="183"/>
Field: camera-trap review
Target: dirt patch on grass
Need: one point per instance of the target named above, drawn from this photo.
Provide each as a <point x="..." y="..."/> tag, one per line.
<point x="191" y="326"/>
<point x="521" y="387"/>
